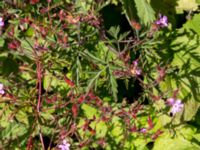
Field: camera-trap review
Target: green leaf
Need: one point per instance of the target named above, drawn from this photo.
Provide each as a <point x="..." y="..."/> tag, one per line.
<point x="142" y="147"/>
<point x="13" y="130"/>
<point x="9" y="66"/>
<point x="49" y="80"/>
<point x="166" y="7"/>
<point x="29" y="32"/>
<point x="94" y="80"/>
<point x="197" y="137"/>
<point x="193" y="24"/>
<point x="166" y="142"/>
<point x="145" y="11"/>
<point x="89" y="111"/>
<point x="114" y="31"/>
<point x="113" y="85"/>
<point x="92" y="57"/>
<point x="123" y="36"/>
<point x="83" y="6"/>
<point x="129" y="8"/>
<point x="186" y="5"/>
<point x="2" y="41"/>
<point x="187" y="131"/>
<point x="101" y="129"/>
<point x="165" y="119"/>
<point x="191" y="108"/>
<point x="117" y="129"/>
<point x="140" y="144"/>
<point x="115" y="2"/>
<point x="197" y="117"/>
<point x="159" y="105"/>
<point x="22" y="117"/>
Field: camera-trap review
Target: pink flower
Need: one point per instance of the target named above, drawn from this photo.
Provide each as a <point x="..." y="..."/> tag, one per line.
<point x="1" y="22"/>
<point x="64" y="145"/>
<point x="135" y="63"/>
<point x="143" y="130"/>
<point x="135" y="70"/>
<point x="176" y="105"/>
<point x="170" y="101"/>
<point x="162" y="22"/>
<point x="138" y="72"/>
<point x="1" y="89"/>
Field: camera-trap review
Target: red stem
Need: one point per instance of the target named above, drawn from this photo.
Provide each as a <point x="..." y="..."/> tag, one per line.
<point x="42" y="141"/>
<point x="39" y="82"/>
<point x="39" y="76"/>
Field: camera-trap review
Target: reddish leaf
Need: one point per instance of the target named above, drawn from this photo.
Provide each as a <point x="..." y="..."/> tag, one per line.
<point x="105" y="119"/>
<point x="92" y="131"/>
<point x="133" y="129"/>
<point x="155" y="98"/>
<point x="84" y="143"/>
<point x="68" y="81"/>
<point x="48" y="100"/>
<point x="101" y="142"/>
<point x="99" y="102"/>
<point x="34" y="1"/>
<point x="72" y="20"/>
<point x="81" y="99"/>
<point x="29" y="143"/>
<point x="150" y="123"/>
<point x="51" y="100"/>
<point x="75" y="110"/>
<point x="43" y="31"/>
<point x="15" y="44"/>
<point x="157" y="134"/>
<point x="62" y="15"/>
<point x="11" y="32"/>
<point x="134" y="115"/>
<point x="25" y="20"/>
<point x="86" y="125"/>
<point x="162" y="72"/>
<point x="175" y="92"/>
<point x="62" y="38"/>
<point x="91" y="95"/>
<point x="135" y="25"/>
<point x="43" y="10"/>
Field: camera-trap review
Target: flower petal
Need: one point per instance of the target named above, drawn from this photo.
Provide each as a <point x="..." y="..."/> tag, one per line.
<point x="1" y="24"/>
<point x="1" y="86"/>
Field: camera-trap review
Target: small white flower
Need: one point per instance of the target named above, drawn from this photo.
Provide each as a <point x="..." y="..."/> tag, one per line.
<point x="176" y="107"/>
<point x="1" y="22"/>
<point x="138" y="71"/>
<point x="1" y="89"/>
<point x="64" y="145"/>
<point x="143" y="130"/>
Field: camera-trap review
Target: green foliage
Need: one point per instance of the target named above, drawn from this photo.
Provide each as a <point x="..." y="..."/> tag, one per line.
<point x="68" y="74"/>
<point x="166" y="7"/>
<point x="193" y="24"/>
<point x="182" y="57"/>
<point x="144" y="11"/>
<point x="186" y="5"/>
<point x="166" y="142"/>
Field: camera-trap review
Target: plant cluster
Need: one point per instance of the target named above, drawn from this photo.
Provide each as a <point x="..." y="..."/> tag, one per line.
<point x="75" y="76"/>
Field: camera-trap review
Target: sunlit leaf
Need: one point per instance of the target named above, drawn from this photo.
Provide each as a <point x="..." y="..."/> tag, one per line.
<point x="186" y="5"/>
